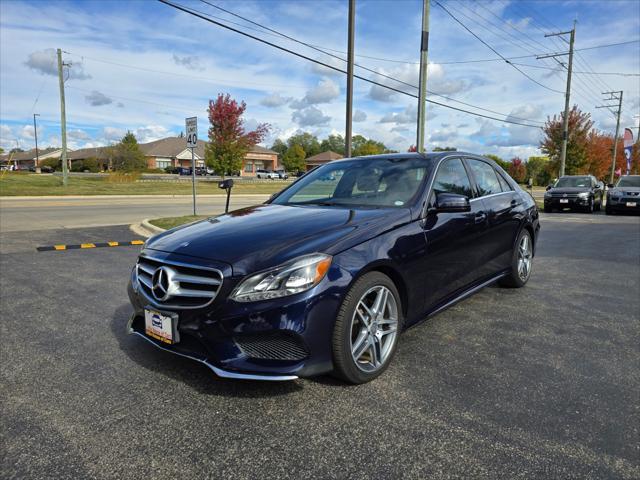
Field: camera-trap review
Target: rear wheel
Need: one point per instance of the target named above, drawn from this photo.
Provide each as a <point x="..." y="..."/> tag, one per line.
<point x="591" y="206"/>
<point x="521" y="262"/>
<point x="366" y="331"/>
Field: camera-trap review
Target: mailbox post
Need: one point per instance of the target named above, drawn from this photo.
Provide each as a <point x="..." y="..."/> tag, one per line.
<point x="226" y="185"/>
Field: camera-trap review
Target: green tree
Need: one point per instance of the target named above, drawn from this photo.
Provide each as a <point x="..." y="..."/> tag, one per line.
<point x="361" y="146"/>
<point x="229" y="143"/>
<point x="307" y="141"/>
<point x="293" y="159"/>
<point x="503" y="163"/>
<point x="580" y="124"/>
<point x="333" y="143"/>
<point x="537" y="170"/>
<point x="280" y="147"/>
<point x="127" y="156"/>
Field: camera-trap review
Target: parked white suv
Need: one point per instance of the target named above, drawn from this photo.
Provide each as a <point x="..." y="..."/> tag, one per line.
<point x="261" y="173"/>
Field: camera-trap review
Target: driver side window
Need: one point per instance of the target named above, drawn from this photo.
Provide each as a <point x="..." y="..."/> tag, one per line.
<point x="452" y="178"/>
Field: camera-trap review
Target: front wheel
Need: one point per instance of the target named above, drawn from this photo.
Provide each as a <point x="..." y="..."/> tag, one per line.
<point x="521" y="262"/>
<point x="365" y="334"/>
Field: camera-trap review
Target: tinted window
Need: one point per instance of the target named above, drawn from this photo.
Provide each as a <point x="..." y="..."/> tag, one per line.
<point x="452" y="178"/>
<point x="503" y="182"/>
<point x="574" y="182"/>
<point x="629" y="181"/>
<point x="486" y="178"/>
<point x="371" y="182"/>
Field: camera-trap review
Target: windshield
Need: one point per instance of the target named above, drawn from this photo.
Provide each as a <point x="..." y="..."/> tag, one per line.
<point x="381" y="182"/>
<point x="629" y="181"/>
<point x="574" y="182"/>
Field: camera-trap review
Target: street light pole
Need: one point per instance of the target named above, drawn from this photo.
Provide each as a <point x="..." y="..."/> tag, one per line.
<point x="350" y="44"/>
<point x="422" y="94"/>
<point x="35" y="134"/>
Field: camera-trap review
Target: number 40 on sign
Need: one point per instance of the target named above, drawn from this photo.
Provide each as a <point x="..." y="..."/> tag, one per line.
<point x="192" y="131"/>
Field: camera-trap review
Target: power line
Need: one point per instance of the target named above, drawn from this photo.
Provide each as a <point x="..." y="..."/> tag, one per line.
<point x="297" y="54"/>
<point x="494" y="50"/>
<point x="322" y="50"/>
<point x="624" y="74"/>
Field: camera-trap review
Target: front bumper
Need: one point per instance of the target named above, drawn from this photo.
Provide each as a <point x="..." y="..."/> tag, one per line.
<point x="571" y="202"/>
<point x="279" y="339"/>
<point x="620" y="204"/>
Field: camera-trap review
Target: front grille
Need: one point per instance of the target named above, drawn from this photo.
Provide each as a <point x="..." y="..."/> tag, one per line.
<point x="564" y="195"/>
<point x="181" y="286"/>
<point x="278" y="346"/>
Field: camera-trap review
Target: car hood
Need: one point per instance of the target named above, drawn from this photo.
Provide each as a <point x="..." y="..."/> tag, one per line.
<point x="263" y="236"/>
<point x="625" y="189"/>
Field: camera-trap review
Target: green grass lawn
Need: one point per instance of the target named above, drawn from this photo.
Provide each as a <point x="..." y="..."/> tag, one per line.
<point x="170" y="222"/>
<point x="13" y="184"/>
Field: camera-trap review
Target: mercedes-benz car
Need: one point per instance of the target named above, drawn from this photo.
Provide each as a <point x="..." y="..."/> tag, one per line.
<point x="575" y="192"/>
<point x="326" y="275"/>
<point x="624" y="196"/>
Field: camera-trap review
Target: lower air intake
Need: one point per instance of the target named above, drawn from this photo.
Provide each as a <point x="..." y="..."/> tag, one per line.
<point x="277" y="346"/>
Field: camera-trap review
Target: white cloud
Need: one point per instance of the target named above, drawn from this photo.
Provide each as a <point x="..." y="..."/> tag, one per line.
<point x="191" y="62"/>
<point x="151" y="133"/>
<point x="407" y="116"/>
<point x="310" y="117"/>
<point x="46" y="62"/>
<point x="274" y="100"/>
<point x="326" y="91"/>
<point x="97" y="99"/>
<point x="359" y="116"/>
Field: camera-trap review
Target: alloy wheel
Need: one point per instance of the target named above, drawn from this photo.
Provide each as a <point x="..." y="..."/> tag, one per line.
<point x="374" y="328"/>
<point x="524" y="258"/>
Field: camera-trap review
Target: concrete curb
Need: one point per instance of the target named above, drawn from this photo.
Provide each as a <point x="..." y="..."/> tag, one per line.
<point x="145" y="229"/>
<point x="102" y="197"/>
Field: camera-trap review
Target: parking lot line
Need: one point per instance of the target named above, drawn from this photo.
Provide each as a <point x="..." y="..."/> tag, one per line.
<point x="129" y="243"/>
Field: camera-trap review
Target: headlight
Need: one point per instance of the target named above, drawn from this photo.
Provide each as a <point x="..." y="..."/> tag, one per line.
<point x="584" y="194"/>
<point x="293" y="277"/>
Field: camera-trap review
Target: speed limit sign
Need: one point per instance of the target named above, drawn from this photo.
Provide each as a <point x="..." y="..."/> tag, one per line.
<point x="192" y="131"/>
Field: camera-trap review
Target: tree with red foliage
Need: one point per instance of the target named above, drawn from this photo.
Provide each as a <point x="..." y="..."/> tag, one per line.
<point x="580" y="124"/>
<point x="229" y="143"/>
<point x="517" y="170"/>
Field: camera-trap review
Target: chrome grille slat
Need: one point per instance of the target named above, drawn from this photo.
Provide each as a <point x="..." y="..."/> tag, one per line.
<point x="194" y="279"/>
<point x="201" y="284"/>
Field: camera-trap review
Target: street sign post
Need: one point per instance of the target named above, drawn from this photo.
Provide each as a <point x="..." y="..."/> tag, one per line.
<point x="191" y="129"/>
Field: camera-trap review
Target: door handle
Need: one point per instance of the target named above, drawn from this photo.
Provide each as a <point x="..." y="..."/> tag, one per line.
<point x="480" y="217"/>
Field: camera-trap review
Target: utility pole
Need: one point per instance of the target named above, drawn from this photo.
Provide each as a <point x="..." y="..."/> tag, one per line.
<point x="612" y="97"/>
<point x="350" y="41"/>
<point x="567" y="95"/>
<point x="35" y="134"/>
<point x="63" y="122"/>
<point x="422" y="94"/>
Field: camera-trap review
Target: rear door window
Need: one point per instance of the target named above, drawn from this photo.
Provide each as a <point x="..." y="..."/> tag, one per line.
<point x="485" y="176"/>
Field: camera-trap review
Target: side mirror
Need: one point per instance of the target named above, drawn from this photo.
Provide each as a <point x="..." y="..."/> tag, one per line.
<point x="549" y="187"/>
<point x="452" y="202"/>
<point x="610" y="185"/>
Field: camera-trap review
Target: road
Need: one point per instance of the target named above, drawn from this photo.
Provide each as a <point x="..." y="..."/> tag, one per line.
<point x="533" y="383"/>
<point x="25" y="214"/>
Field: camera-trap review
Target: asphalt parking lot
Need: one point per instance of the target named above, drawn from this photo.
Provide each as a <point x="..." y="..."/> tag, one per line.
<point x="541" y="382"/>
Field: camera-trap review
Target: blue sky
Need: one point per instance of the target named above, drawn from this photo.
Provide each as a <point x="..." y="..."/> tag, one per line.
<point x="143" y="66"/>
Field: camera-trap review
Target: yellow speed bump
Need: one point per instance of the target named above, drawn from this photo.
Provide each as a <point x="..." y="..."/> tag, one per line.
<point x="128" y="243"/>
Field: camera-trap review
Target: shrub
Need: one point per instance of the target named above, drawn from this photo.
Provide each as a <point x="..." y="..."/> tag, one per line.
<point x="53" y="163"/>
<point x="123" y="177"/>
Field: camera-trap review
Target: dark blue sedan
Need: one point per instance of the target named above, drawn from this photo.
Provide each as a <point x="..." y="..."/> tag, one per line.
<point x="326" y="275"/>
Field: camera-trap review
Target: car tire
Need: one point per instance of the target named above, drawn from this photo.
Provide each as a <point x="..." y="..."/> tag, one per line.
<point x="608" y="210"/>
<point x="592" y="205"/>
<point x="361" y="349"/>
<point x="522" y="252"/>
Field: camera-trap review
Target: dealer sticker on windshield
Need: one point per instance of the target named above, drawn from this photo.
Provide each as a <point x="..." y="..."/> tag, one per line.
<point x="158" y="326"/>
